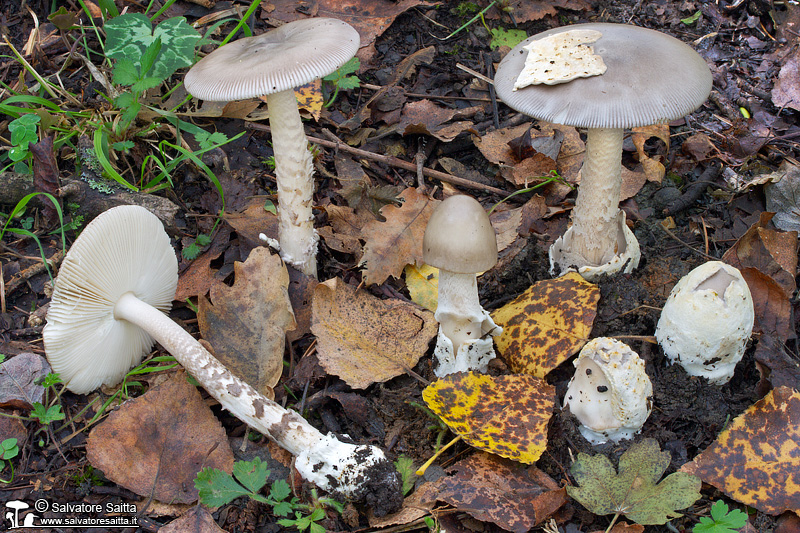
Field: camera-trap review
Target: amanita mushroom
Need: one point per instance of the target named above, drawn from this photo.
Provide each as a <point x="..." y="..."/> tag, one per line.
<point x="707" y="320"/>
<point x="610" y="393"/>
<point x="271" y="65"/>
<point x="108" y="307"/>
<point x="649" y="78"/>
<point x="460" y="241"/>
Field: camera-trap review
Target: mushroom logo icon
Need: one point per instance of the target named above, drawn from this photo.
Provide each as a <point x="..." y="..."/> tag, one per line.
<point x="18" y="506"/>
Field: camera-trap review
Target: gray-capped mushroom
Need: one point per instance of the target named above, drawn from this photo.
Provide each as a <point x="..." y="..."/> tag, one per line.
<point x="460" y="241"/>
<point x="649" y="78"/>
<point x="610" y="393"/>
<point x="111" y="295"/>
<point x="271" y="65"/>
<point x="707" y="320"/>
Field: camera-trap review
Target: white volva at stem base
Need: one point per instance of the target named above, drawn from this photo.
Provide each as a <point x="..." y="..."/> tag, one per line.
<point x="294" y="169"/>
<point x="332" y="465"/>
<point x="463" y="323"/>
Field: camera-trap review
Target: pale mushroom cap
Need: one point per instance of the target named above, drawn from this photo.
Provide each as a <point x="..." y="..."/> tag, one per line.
<point x="84" y="343"/>
<point x="651" y="78"/>
<point x="459" y="237"/>
<point x="288" y="56"/>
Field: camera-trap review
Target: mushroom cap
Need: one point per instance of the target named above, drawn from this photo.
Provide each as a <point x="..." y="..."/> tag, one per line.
<point x="288" y="56"/>
<point x="459" y="237"/>
<point x="651" y="78"/>
<point x="84" y="343"/>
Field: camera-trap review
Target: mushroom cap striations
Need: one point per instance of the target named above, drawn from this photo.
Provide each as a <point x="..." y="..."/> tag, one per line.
<point x="459" y="237"/>
<point x="288" y="56"/>
<point x="650" y="78"/>
<point x="84" y="343"/>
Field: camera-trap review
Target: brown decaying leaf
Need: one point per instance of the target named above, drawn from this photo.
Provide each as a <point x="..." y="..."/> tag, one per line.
<point x="365" y="340"/>
<point x="18" y="377"/>
<point x="546" y="324"/>
<point x="622" y="527"/>
<point x="196" y="520"/>
<point x="500" y="491"/>
<point x="756" y="459"/>
<point x="786" y="90"/>
<point x="198" y="278"/>
<point x="504" y="415"/>
<point x="397" y="242"/>
<point x="45" y="175"/>
<point x="776" y="366"/>
<point x="773" y="311"/>
<point x="254" y="219"/>
<point x="653" y="169"/>
<point x="157" y="443"/>
<point x="246" y="324"/>
<point x="526" y="10"/>
<point x="344" y="232"/>
<point x="772" y="252"/>
<point x="419" y="504"/>
<point x="425" y="117"/>
<point x="506" y="222"/>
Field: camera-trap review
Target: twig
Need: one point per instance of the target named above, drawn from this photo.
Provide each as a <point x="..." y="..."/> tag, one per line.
<point x="372" y="87"/>
<point x="694" y="191"/>
<point x="475" y="73"/>
<point x="33" y="270"/>
<point x="695" y="250"/>
<point x="487" y="60"/>
<point x="395" y="162"/>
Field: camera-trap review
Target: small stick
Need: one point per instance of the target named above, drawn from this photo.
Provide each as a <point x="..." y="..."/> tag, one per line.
<point x="395" y="162"/>
<point x="32" y="270"/>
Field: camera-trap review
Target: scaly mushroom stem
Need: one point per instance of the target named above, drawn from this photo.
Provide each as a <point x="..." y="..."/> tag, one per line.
<point x="595" y="218"/>
<point x="294" y="170"/>
<point x="354" y="471"/>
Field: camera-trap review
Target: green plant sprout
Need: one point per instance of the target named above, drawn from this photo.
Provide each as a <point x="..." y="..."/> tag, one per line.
<point x="216" y="488"/>
<point x="502" y="5"/>
<point x="504" y="37"/>
<point x="8" y="450"/>
<point x="552" y="178"/>
<point x="341" y="79"/>
<point x="405" y="466"/>
<point x="722" y="520"/>
<point x="51" y="412"/>
<point x="23" y="133"/>
<point x="191" y="252"/>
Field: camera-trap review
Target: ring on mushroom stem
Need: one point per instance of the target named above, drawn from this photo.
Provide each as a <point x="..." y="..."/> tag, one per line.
<point x="108" y="306"/>
<point x="460" y="241"/>
<point x="272" y="65"/>
<point x="632" y="91"/>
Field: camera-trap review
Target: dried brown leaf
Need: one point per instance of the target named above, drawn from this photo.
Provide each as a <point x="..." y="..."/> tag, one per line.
<point x="18" y="380"/>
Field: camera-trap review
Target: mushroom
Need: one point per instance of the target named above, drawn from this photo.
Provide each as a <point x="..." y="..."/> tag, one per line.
<point x="271" y="65"/>
<point x="460" y="241"/>
<point x="649" y="78"/>
<point x="610" y="393"/>
<point x="111" y="295"/>
<point x="707" y="320"/>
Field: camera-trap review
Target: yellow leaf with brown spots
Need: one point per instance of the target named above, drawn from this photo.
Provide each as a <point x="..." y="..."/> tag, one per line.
<point x="309" y="98"/>
<point x="756" y="459"/>
<point x="423" y="285"/>
<point x="504" y="415"/>
<point x="546" y="324"/>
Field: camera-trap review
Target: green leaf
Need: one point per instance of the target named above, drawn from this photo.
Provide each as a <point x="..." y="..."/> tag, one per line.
<point x="721" y="520"/>
<point x="349" y="82"/>
<point x="216" y="487"/>
<point x="282" y="509"/>
<point x="252" y="474"/>
<point x="124" y="100"/>
<point x="150" y="55"/>
<point x="503" y="37"/>
<point x="408" y="473"/>
<point x="123" y="146"/>
<point x="207" y="140"/>
<point x="9" y="449"/>
<point x="128" y="36"/>
<point x="692" y="18"/>
<point x="635" y="492"/>
<point x="146" y="83"/>
<point x="280" y="490"/>
<point x="46" y="415"/>
<point x="125" y="72"/>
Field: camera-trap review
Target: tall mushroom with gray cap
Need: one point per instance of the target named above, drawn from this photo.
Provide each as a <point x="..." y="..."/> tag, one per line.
<point x="460" y="241"/>
<point x="271" y="65"/>
<point x="111" y="295"/>
<point x="604" y="77"/>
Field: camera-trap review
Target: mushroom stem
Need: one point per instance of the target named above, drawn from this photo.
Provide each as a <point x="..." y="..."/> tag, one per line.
<point x="354" y="471"/>
<point x="294" y="169"/>
<point x="459" y="310"/>
<point x="595" y="222"/>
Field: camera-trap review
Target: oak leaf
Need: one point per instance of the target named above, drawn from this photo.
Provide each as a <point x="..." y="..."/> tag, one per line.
<point x="546" y="324"/>
<point x="396" y="242"/>
<point x="365" y="340"/>
<point x="505" y="415"/>
<point x="246" y="324"/>
<point x="756" y="459"/>
<point x="635" y="491"/>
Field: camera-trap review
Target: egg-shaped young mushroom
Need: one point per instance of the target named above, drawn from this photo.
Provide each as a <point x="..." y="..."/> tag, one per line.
<point x="610" y="393"/>
<point x="271" y="65"/>
<point x="706" y="321"/>
<point x="107" y="308"/>
<point x="460" y="241"/>
<point x="646" y="77"/>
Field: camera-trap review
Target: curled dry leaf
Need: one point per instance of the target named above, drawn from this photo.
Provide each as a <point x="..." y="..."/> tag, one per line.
<point x="397" y="242"/>
<point x="156" y="444"/>
<point x="425" y="117"/>
<point x="773" y="310"/>
<point x="504" y="415"/>
<point x="756" y="459"/>
<point x="246" y="324"/>
<point x="546" y="324"/>
<point x="364" y="340"/>
<point x="500" y="491"/>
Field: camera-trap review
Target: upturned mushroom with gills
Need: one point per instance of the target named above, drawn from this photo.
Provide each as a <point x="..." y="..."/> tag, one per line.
<point x="272" y="65"/>
<point x="603" y="77"/>
<point x="108" y="307"/>
<point x="460" y="241"/>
